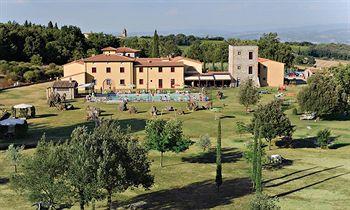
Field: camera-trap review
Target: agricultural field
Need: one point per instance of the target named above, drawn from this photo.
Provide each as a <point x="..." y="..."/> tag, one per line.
<point x="316" y="178"/>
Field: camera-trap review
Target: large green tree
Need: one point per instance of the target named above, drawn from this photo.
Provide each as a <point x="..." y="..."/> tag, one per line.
<point x="121" y="162"/>
<point x="272" y="121"/>
<point x="194" y="51"/>
<point x="271" y="47"/>
<point x="42" y="175"/>
<point x="248" y="94"/>
<point x="166" y="136"/>
<point x="341" y="74"/>
<point x="325" y="94"/>
<point x="81" y="175"/>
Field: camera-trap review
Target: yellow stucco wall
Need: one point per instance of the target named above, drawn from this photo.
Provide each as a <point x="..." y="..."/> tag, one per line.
<point x="74" y="71"/>
<point x="109" y="52"/>
<point x="82" y="74"/>
<point x="191" y="65"/>
<point x="151" y="76"/>
<point x="274" y="74"/>
<point x="115" y="75"/>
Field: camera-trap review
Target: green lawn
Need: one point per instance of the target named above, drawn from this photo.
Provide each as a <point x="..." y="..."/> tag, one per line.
<point x="317" y="179"/>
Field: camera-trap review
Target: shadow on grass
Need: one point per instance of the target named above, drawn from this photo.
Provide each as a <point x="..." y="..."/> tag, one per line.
<point x="287" y="175"/>
<point x="198" y="195"/>
<point x="299" y="177"/>
<point x="45" y="115"/>
<point x="339" y="117"/>
<point x="309" y="185"/>
<point x="106" y="114"/>
<point x="59" y="133"/>
<point x="309" y="142"/>
<point x="338" y="145"/>
<point x="4" y="180"/>
<point x="228" y="117"/>
<point x="135" y="124"/>
<point x="229" y="155"/>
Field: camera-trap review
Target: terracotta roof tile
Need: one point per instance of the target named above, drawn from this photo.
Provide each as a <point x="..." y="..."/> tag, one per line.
<point x="178" y="58"/>
<point x="64" y="84"/>
<point x="261" y="60"/>
<point x="155" y="62"/>
<point x="108" y="58"/>
<point x="126" y="50"/>
<point x="109" y="49"/>
<point x="80" y="61"/>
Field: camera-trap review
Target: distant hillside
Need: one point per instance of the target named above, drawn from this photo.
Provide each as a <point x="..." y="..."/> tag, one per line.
<point x="326" y="36"/>
<point x="337" y="33"/>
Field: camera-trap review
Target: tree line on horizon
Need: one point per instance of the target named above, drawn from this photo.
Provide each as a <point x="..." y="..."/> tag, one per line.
<point x="59" y="45"/>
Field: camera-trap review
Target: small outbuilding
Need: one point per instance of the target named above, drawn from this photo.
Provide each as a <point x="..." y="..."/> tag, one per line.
<point x="66" y="89"/>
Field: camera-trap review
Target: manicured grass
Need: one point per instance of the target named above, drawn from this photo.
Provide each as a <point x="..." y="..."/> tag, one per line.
<point x="317" y="179"/>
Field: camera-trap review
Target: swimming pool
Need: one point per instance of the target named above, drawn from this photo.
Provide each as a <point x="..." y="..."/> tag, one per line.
<point x="157" y="97"/>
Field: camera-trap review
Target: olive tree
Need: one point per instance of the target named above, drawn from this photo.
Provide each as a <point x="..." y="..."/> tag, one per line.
<point x="42" y="175"/>
<point x="272" y="121"/>
<point x="166" y="136"/>
<point x="323" y="95"/>
<point x="14" y="154"/>
<point x="121" y="162"/>
<point x="248" y="94"/>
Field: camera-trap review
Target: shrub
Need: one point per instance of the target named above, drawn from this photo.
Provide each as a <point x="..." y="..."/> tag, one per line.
<point x="204" y="142"/>
<point x="241" y="128"/>
<point x="295" y="111"/>
<point x="264" y="202"/>
<point x="36" y="60"/>
<point x="29" y="76"/>
<point x="323" y="138"/>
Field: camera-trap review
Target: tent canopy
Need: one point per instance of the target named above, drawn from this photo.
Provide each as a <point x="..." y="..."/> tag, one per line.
<point x="12" y="121"/>
<point x="88" y="85"/>
<point x="22" y="106"/>
<point x="222" y="77"/>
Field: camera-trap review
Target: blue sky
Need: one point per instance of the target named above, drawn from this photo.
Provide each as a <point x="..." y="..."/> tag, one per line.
<point x="178" y="15"/>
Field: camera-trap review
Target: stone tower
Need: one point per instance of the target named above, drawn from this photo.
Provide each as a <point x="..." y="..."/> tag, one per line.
<point x="243" y="64"/>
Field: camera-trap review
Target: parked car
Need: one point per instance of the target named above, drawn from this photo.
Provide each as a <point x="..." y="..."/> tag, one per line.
<point x="263" y="92"/>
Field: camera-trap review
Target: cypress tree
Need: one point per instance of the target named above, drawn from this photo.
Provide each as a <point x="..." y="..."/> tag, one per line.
<point x="258" y="177"/>
<point x="155" y="49"/>
<point x="56" y="27"/>
<point x="218" y="178"/>
<point x="254" y="158"/>
<point x="50" y="25"/>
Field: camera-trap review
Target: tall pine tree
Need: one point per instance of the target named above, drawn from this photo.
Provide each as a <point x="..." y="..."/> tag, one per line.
<point x="218" y="178"/>
<point x="155" y="47"/>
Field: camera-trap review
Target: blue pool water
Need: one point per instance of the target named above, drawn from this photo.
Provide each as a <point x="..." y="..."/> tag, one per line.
<point x="157" y="97"/>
